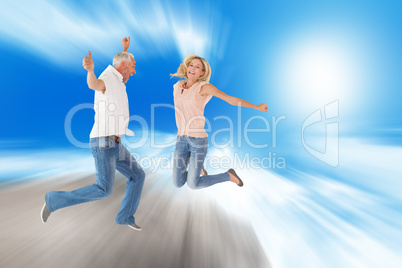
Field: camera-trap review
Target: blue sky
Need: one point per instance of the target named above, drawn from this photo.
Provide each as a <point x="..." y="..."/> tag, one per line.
<point x="330" y="72"/>
<point x="295" y="56"/>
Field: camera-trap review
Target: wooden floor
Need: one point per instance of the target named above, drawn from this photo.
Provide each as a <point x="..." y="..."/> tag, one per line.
<point x="181" y="228"/>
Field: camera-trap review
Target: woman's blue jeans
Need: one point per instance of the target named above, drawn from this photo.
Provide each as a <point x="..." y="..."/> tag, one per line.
<point x="109" y="156"/>
<point x="188" y="160"/>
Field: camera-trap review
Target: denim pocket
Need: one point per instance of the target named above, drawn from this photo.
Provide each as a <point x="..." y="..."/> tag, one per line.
<point x="105" y="143"/>
<point x="198" y="142"/>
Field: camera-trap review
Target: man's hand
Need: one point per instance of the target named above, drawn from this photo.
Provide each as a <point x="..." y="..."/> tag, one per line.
<point x="126" y="43"/>
<point x="92" y="81"/>
<point x="88" y="63"/>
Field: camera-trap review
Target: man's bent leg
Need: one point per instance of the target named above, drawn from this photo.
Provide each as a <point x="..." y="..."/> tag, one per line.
<point x="105" y="152"/>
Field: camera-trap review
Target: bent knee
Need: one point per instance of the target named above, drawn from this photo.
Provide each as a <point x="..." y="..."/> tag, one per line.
<point x="105" y="192"/>
<point x="193" y="185"/>
<point x="179" y="179"/>
<point x="138" y="176"/>
<point x="177" y="184"/>
<point x="141" y="175"/>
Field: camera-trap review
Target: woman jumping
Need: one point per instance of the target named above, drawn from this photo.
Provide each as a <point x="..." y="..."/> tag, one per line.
<point x="190" y="97"/>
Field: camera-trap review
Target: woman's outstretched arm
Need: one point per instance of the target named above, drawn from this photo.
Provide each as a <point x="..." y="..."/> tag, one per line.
<point x="209" y="89"/>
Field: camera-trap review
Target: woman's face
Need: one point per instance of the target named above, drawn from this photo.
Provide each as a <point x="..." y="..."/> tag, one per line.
<point x="194" y="69"/>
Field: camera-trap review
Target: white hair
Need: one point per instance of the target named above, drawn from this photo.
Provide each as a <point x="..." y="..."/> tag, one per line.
<point x="120" y="57"/>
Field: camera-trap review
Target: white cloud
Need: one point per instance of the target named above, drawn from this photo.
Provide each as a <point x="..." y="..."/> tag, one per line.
<point x="63" y="33"/>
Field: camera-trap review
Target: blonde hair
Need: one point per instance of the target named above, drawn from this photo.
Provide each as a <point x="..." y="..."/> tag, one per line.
<point x="182" y="70"/>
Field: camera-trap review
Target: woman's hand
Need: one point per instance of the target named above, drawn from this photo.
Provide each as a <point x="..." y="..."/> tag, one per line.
<point x="262" y="107"/>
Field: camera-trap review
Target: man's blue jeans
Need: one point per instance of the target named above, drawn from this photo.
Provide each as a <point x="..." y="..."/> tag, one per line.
<point x="190" y="153"/>
<point x="109" y="156"/>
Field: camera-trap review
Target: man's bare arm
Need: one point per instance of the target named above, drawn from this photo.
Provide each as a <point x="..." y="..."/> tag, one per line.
<point x="126" y="43"/>
<point x="92" y="81"/>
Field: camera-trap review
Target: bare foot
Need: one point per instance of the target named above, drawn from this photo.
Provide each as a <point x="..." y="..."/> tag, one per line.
<point x="203" y="171"/>
<point x="235" y="178"/>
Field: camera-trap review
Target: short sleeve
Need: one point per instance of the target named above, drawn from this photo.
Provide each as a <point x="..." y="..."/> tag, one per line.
<point x="108" y="80"/>
<point x="200" y="86"/>
<point x="205" y="98"/>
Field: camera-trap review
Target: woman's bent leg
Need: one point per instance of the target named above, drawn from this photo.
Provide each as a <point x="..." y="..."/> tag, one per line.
<point x="180" y="161"/>
<point x="199" y="147"/>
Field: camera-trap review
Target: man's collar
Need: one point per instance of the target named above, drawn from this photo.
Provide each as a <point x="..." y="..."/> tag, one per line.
<point x="117" y="73"/>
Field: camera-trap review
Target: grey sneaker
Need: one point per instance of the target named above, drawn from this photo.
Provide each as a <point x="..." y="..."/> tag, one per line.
<point x="135" y="227"/>
<point x="231" y="171"/>
<point x="45" y="213"/>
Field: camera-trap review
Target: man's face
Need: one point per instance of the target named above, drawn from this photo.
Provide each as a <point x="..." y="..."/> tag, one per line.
<point x="128" y="70"/>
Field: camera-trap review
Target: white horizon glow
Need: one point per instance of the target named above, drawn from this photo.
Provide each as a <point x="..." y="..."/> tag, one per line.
<point x="315" y="69"/>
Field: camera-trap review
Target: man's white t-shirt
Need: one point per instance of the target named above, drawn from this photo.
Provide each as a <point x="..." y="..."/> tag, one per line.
<point x="111" y="107"/>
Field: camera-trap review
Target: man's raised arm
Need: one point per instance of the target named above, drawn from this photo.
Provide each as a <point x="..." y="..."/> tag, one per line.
<point x="92" y="81"/>
<point x="126" y="43"/>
